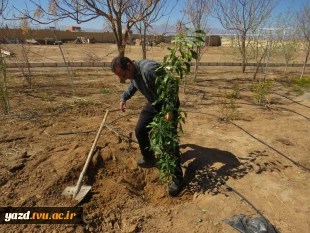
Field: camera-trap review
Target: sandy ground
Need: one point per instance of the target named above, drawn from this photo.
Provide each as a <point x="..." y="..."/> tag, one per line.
<point x="250" y="154"/>
<point x="106" y="52"/>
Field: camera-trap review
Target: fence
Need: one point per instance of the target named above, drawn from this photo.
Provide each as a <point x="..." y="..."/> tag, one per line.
<point x="17" y="35"/>
<point x="107" y="64"/>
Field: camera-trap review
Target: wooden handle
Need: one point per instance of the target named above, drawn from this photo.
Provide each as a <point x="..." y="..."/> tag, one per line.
<point x="79" y="183"/>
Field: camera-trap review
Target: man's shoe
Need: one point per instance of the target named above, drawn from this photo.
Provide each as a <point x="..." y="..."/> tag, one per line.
<point x="175" y="187"/>
<point x="146" y="163"/>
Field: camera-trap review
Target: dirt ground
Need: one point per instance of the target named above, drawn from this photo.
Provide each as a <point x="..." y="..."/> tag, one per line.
<point x="48" y="134"/>
<point x="106" y="52"/>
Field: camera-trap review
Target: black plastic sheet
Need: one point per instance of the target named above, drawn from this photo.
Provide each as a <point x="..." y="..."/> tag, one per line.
<point x="246" y="224"/>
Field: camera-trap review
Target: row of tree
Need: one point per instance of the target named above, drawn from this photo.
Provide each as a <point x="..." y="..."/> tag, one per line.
<point x="243" y="18"/>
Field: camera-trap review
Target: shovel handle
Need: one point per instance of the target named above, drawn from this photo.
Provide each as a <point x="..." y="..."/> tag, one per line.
<point x="79" y="183"/>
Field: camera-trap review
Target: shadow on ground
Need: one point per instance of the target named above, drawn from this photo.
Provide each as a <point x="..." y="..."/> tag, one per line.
<point x="205" y="167"/>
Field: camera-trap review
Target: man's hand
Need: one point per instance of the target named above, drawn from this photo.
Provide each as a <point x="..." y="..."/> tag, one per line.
<point x="169" y="116"/>
<point x="122" y="106"/>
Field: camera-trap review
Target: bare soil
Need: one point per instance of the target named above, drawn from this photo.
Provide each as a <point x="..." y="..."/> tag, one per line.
<point x="51" y="126"/>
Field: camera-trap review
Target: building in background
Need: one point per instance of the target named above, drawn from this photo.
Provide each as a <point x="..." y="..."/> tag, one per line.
<point x="74" y="28"/>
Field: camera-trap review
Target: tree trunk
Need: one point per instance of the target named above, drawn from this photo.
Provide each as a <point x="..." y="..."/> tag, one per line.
<point x="117" y="31"/>
<point x="143" y="41"/>
<point x="28" y="77"/>
<point x="196" y="70"/>
<point x="305" y="62"/>
<point x="243" y="53"/>
<point x="3" y="87"/>
<point x="196" y="64"/>
<point x="121" y="50"/>
<point x="267" y="62"/>
<point x="286" y="65"/>
<point x="184" y="84"/>
<point x="259" y="63"/>
<point x="119" y="43"/>
<point x="63" y="57"/>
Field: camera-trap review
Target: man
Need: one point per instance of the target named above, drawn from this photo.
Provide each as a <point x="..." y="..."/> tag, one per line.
<point x="142" y="75"/>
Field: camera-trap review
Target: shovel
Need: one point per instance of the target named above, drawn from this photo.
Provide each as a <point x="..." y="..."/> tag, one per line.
<point x="78" y="192"/>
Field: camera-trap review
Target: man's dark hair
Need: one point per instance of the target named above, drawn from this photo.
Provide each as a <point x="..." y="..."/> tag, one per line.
<point x="120" y="62"/>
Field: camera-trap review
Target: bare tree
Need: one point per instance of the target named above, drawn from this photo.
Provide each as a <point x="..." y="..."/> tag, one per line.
<point x="3" y="86"/>
<point x="304" y="26"/>
<point x="3" y="5"/>
<point x="285" y="35"/>
<point x="181" y="26"/>
<point x="118" y="14"/>
<point x="144" y="26"/>
<point x="197" y="13"/>
<point x="259" y="47"/>
<point x="243" y="17"/>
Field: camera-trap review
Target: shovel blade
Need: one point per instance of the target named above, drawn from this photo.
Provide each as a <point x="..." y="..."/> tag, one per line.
<point x="70" y="190"/>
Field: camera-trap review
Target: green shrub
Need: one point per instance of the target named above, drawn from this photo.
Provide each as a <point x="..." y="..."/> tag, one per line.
<point x="104" y="91"/>
<point x="260" y="91"/>
<point x="300" y="85"/>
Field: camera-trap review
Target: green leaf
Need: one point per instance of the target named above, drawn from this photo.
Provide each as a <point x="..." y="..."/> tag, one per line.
<point x="194" y="54"/>
<point x="189" y="45"/>
<point x="199" y="39"/>
<point x="188" y="66"/>
<point x="200" y="32"/>
<point x="183" y="54"/>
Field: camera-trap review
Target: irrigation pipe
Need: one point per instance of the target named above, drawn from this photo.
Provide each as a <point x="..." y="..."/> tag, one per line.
<point x="12" y="139"/>
<point x="307" y="118"/>
<point x="26" y="117"/>
<point x="267" y="106"/>
<point x="78" y="132"/>
<point x="295" y="102"/>
<point x="132" y="114"/>
<point x="92" y="131"/>
<point x="229" y="188"/>
<point x="280" y="153"/>
<point x="115" y="131"/>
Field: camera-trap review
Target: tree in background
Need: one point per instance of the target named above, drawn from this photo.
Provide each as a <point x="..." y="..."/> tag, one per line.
<point x="243" y="17"/>
<point x="285" y="36"/>
<point x="258" y="48"/>
<point x="197" y="13"/>
<point x="118" y="14"/>
<point x="162" y="9"/>
<point x="304" y="30"/>
<point x="4" y="103"/>
<point x="3" y="5"/>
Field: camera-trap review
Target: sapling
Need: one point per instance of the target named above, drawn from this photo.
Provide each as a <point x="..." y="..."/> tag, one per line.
<point x="163" y="135"/>
<point x="260" y="91"/>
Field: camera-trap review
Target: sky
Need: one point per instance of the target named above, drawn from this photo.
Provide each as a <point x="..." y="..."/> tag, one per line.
<point x="173" y="17"/>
